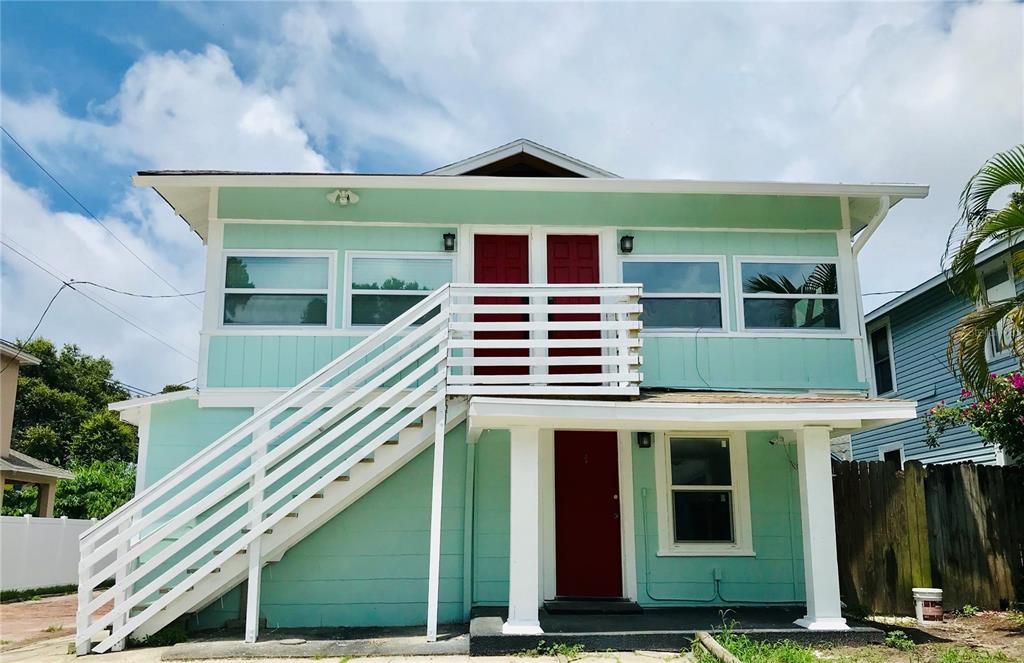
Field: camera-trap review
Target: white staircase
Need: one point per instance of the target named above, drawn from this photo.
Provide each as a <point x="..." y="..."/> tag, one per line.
<point x="248" y="497"/>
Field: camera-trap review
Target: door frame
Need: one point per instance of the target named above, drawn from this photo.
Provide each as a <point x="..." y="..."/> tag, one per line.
<point x="538" y="248"/>
<point x="627" y="532"/>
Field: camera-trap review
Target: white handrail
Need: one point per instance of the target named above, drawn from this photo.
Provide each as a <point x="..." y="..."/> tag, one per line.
<point x="189" y="523"/>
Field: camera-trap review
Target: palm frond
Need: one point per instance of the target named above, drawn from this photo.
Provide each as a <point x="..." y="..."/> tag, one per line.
<point x="765" y="283"/>
<point x="1003" y="169"/>
<point x="970" y="337"/>
<point x="822" y="279"/>
<point x="1007" y="223"/>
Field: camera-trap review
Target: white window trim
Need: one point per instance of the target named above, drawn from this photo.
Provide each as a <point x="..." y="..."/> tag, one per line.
<point x="1011" y="284"/>
<point x="667" y="546"/>
<point x="795" y="331"/>
<point x="871" y="329"/>
<point x="329" y="291"/>
<point x="722" y="295"/>
<point x="892" y="446"/>
<point x="347" y="290"/>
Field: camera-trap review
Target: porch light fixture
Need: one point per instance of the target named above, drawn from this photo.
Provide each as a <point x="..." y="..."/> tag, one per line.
<point x="643" y="440"/>
<point x="342" y="198"/>
<point x="449" y="241"/>
<point x="626" y="244"/>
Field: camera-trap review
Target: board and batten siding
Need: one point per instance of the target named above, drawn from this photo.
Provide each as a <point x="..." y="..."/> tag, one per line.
<point x="693" y="360"/>
<point x="920" y="334"/>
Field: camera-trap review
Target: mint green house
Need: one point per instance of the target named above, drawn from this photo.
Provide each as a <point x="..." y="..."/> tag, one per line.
<point x="511" y="382"/>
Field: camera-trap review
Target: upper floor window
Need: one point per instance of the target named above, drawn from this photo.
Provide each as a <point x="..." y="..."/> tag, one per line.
<point x="384" y="286"/>
<point x="998" y="286"/>
<point x="277" y="290"/>
<point x="678" y="293"/>
<point x="880" y="338"/>
<point x="790" y="295"/>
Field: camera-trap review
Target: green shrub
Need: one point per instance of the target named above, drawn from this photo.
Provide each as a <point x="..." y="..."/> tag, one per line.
<point x="899" y="640"/>
<point x="966" y="655"/>
<point x="169" y="635"/>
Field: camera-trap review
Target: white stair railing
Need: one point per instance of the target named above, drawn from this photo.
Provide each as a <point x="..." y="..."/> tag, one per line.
<point x="459" y="340"/>
<point x="185" y="526"/>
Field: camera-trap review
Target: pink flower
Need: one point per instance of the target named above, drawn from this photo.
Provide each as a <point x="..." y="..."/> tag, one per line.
<point x="964" y="393"/>
<point x="1017" y="380"/>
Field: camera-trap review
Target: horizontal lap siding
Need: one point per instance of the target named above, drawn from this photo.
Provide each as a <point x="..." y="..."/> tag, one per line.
<point x="920" y="335"/>
<point x="774" y="575"/>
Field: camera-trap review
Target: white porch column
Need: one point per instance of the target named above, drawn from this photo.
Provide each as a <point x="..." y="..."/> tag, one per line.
<point x="817" y="515"/>
<point x="524" y="539"/>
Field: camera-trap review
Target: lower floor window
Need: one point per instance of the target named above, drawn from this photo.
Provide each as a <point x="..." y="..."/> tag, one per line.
<point x="706" y="503"/>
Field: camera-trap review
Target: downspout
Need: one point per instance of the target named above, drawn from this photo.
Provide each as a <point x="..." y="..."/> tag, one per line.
<point x="858" y="244"/>
<point x="869" y="230"/>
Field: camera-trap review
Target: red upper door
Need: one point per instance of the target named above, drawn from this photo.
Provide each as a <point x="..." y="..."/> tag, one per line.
<point x="588" y="544"/>
<point x="574" y="259"/>
<point x="501" y="259"/>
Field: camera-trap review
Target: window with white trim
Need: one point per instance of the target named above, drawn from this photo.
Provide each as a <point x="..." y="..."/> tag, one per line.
<point x="790" y="295"/>
<point x="678" y="293"/>
<point x="892" y="453"/>
<point x="999" y="286"/>
<point x="276" y="290"/>
<point x="704" y="495"/>
<point x="880" y="338"/>
<point x="383" y="286"/>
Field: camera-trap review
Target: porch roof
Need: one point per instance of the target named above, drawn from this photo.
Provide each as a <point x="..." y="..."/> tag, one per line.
<point x="27" y="468"/>
<point x="694" y="410"/>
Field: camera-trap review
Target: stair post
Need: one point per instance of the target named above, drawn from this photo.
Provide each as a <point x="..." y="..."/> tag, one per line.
<point x="254" y="553"/>
<point x="434" y="573"/>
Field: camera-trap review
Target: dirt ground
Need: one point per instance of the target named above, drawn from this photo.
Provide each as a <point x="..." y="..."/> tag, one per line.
<point x="987" y="632"/>
<point x="30" y="621"/>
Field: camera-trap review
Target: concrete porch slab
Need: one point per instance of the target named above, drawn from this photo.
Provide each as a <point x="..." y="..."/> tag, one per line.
<point x="318" y="643"/>
<point x="659" y="629"/>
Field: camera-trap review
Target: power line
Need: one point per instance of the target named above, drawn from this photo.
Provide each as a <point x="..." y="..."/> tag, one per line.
<point x="93" y="216"/>
<point x="884" y="292"/>
<point x="135" y="294"/>
<point x="68" y="284"/>
<point x="46" y="310"/>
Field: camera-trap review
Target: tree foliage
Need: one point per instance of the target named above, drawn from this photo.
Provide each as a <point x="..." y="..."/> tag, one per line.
<point x="996" y="416"/>
<point x="979" y="226"/>
<point x="61" y="417"/>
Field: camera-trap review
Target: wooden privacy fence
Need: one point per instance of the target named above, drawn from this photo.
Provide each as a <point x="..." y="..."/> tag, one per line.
<point x="956" y="527"/>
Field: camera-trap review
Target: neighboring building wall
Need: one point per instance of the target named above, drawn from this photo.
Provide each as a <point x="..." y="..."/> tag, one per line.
<point x="920" y="334"/>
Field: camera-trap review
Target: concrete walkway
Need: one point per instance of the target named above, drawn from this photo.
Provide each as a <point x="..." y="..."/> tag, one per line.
<point x="56" y="651"/>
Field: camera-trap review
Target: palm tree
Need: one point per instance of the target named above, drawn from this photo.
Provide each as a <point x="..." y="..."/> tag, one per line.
<point x="979" y="226"/>
<point x="822" y="280"/>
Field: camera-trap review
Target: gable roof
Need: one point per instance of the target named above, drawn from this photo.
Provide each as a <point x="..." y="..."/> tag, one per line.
<point x="522" y="149"/>
<point x="14" y="353"/>
<point x="991" y="252"/>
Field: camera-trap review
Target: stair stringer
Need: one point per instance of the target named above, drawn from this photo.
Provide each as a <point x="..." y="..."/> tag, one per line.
<point x="313" y="514"/>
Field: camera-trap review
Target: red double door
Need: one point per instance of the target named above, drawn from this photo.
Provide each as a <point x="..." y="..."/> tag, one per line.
<point x="588" y="550"/>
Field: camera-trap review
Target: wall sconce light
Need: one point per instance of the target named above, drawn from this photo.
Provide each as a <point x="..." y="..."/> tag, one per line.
<point x="342" y="198"/>
<point x="643" y="440"/>
<point x="626" y="244"/>
<point x="449" y="241"/>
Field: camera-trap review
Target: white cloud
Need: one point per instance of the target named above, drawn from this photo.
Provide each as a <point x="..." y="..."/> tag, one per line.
<point x="857" y="92"/>
<point x="76" y="247"/>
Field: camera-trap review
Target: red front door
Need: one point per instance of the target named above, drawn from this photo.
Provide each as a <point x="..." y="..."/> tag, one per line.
<point x="588" y="549"/>
<point x="501" y="259"/>
<point x="574" y="259"/>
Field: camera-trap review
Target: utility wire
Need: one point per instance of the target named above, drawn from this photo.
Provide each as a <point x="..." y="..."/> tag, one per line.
<point x="46" y="310"/>
<point x="68" y="284"/>
<point x="885" y="292"/>
<point x="135" y="294"/>
<point x="93" y="216"/>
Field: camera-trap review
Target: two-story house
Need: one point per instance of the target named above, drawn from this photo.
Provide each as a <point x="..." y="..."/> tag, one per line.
<point x="507" y="383"/>
<point x="908" y="339"/>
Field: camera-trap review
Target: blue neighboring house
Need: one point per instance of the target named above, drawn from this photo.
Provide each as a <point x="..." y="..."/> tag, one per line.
<point x="908" y="337"/>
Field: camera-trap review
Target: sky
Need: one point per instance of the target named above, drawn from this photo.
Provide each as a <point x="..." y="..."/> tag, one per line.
<point x="827" y="91"/>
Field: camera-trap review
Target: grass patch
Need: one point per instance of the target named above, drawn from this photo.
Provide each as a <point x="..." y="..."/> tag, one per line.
<point x="1016" y="617"/>
<point x="967" y="611"/>
<point x="571" y="652"/>
<point x="169" y="635"/>
<point x="968" y="655"/>
<point x="36" y="593"/>
<point x="53" y="628"/>
<point x="899" y="640"/>
<point x="752" y="651"/>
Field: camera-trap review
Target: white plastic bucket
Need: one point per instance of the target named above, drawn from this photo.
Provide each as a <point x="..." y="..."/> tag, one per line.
<point x="928" y="605"/>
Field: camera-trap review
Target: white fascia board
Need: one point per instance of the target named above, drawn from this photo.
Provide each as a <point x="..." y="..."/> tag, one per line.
<point x="983" y="256"/>
<point x="582" y="415"/>
<point x="896" y="192"/>
<point x="121" y="406"/>
<point x="522" y="145"/>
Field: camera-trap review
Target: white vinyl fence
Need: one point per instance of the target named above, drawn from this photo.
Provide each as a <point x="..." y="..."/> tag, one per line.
<point x="39" y="552"/>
